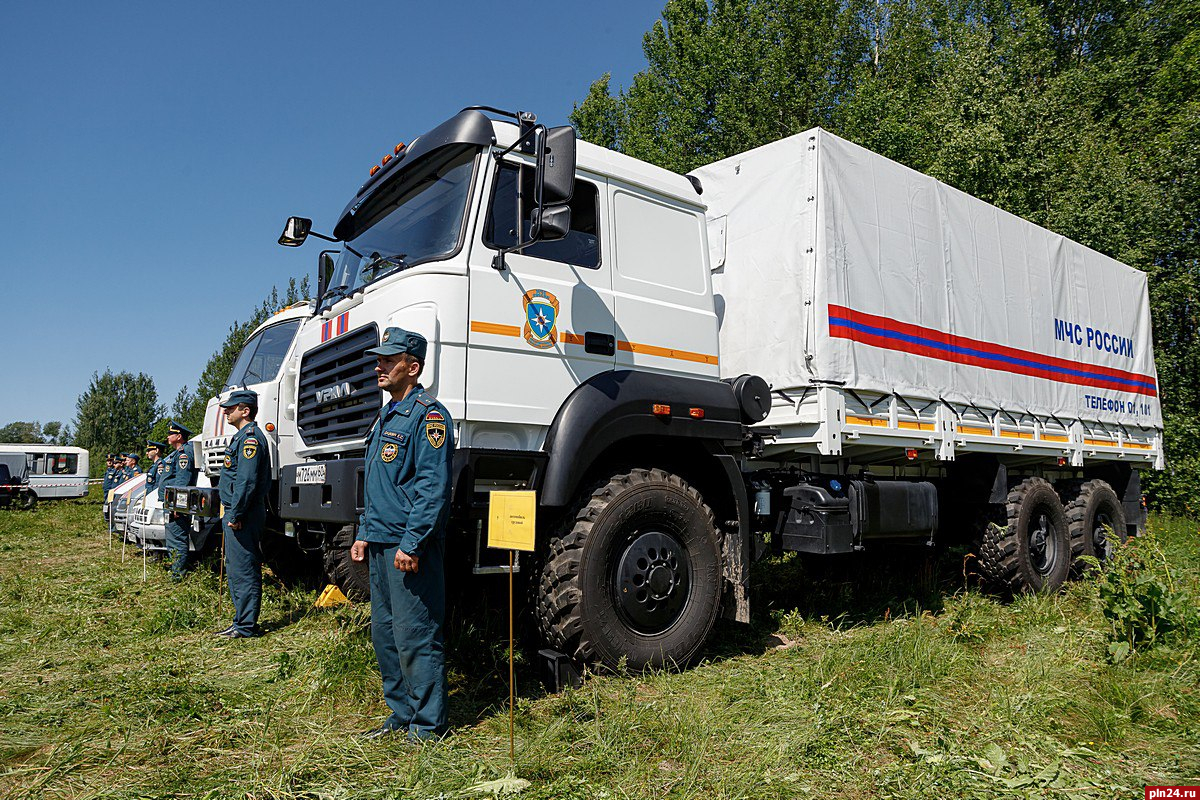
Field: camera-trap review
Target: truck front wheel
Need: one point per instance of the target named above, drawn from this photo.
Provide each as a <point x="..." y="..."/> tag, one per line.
<point x="636" y="577"/>
<point x="1032" y="552"/>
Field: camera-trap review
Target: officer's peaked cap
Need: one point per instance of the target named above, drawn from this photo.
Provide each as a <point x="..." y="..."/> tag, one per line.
<point x="241" y="397"/>
<point x="397" y="341"/>
<point x="134" y="456"/>
<point x="159" y="445"/>
<point x="176" y="427"/>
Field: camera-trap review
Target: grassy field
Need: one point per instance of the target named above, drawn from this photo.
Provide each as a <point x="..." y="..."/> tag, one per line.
<point x="852" y="685"/>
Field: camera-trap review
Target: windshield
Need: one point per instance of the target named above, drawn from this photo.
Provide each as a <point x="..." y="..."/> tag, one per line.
<point x="420" y="219"/>
<point x="263" y="355"/>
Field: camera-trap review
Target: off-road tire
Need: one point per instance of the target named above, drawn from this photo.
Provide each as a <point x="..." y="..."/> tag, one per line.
<point x="352" y="577"/>
<point x="636" y="574"/>
<point x="1094" y="514"/>
<point x="1031" y="552"/>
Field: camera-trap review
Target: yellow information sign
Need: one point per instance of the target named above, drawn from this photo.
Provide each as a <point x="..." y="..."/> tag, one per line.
<point x="512" y="520"/>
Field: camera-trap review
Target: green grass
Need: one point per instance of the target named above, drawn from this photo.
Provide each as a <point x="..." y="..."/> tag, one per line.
<point x="851" y="683"/>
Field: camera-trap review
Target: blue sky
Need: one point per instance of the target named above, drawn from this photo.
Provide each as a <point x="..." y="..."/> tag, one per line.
<point x="150" y="153"/>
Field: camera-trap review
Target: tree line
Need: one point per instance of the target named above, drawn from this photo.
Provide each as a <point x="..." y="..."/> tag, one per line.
<point x="118" y="412"/>
<point x="1080" y="115"/>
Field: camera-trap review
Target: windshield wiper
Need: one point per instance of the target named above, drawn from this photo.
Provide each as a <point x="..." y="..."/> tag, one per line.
<point x="375" y="268"/>
<point x="340" y="291"/>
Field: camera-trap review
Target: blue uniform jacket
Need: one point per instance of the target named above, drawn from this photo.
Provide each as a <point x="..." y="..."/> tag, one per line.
<point x="245" y="473"/>
<point x="110" y="480"/>
<point x="408" y="474"/>
<point x="152" y="475"/>
<point x="181" y="470"/>
<point x="127" y="473"/>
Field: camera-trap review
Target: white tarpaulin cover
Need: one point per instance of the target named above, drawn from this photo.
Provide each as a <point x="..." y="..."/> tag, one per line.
<point x="833" y="263"/>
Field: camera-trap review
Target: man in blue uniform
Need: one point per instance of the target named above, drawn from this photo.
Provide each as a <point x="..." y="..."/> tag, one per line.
<point x="131" y="469"/>
<point x="402" y="532"/>
<point x="245" y="479"/>
<point x="180" y="470"/>
<point x="110" y="476"/>
<point x="154" y="451"/>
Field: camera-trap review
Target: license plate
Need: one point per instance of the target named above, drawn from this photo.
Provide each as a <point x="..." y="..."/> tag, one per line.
<point x="310" y="473"/>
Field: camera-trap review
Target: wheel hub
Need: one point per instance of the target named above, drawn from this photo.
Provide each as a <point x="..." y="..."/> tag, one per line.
<point x="1100" y="543"/>
<point x="652" y="582"/>
<point x="1043" y="546"/>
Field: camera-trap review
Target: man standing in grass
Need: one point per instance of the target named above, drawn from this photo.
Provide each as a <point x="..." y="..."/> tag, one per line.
<point x="407" y="502"/>
<point x="181" y="470"/>
<point x="245" y="478"/>
<point x="154" y="451"/>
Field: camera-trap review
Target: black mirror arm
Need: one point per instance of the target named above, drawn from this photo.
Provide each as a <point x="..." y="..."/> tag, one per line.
<point x="323" y="237"/>
<point x="521" y="140"/>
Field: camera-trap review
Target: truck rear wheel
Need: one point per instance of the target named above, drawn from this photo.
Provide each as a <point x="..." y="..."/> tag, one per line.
<point x="1032" y="552"/>
<point x="352" y="577"/>
<point x="636" y="577"/>
<point x="1095" y="517"/>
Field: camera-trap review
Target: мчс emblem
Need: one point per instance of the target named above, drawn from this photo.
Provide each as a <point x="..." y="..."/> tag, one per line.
<point x="388" y="454"/>
<point x="435" y="432"/>
<point x="249" y="449"/>
<point x="541" y="315"/>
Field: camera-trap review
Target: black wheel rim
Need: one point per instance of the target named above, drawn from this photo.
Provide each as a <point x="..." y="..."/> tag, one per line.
<point x="1101" y="545"/>
<point x="652" y="582"/>
<point x="1044" y="544"/>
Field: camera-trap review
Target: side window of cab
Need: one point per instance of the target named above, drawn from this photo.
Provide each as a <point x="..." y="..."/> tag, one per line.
<point x="511" y="211"/>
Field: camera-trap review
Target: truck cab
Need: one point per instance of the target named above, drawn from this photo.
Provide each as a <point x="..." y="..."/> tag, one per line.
<point x="564" y="292"/>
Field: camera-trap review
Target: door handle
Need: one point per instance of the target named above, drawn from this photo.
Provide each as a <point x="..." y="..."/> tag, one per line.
<point x="601" y="344"/>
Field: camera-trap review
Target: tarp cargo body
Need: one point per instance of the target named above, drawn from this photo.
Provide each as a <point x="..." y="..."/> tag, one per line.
<point x="887" y="309"/>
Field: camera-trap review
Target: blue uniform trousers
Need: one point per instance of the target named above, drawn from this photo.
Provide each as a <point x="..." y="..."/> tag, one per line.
<point x="243" y="565"/>
<point x="177" y="544"/>
<point x="407" y="614"/>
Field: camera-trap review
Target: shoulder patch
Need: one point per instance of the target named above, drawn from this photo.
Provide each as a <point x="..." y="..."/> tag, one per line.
<point x="249" y="448"/>
<point x="183" y="461"/>
<point x="228" y="461"/>
<point x="434" y="416"/>
<point x="250" y="440"/>
<point x="435" y="432"/>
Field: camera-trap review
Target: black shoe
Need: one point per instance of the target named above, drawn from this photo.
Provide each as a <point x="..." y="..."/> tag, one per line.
<point x="238" y="633"/>
<point x="225" y="632"/>
<point x="378" y="733"/>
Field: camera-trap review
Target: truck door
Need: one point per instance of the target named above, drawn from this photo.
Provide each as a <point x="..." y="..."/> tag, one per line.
<point x="544" y="324"/>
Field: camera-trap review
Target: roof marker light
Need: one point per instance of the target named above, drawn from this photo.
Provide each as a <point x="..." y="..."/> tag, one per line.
<point x="399" y="147"/>
<point x="374" y="169"/>
<point x="386" y="159"/>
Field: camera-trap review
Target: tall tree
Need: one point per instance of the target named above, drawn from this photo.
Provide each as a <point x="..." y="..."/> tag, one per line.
<point x="115" y="414"/>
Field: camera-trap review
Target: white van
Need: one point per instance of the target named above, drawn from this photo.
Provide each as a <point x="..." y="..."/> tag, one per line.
<point x="54" y="470"/>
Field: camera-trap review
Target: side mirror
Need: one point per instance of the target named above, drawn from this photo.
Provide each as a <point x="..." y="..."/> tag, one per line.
<point x="325" y="267"/>
<point x="295" y="231"/>
<point x="555" y="178"/>
<point x="550" y="224"/>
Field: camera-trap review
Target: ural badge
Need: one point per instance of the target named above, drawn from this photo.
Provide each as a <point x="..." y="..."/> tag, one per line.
<point x="541" y="314"/>
<point x="389" y="453"/>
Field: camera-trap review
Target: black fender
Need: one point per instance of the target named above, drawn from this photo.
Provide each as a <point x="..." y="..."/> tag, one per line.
<point x="613" y="406"/>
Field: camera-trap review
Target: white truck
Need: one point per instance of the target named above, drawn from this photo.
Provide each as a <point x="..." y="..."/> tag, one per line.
<point x="806" y="343"/>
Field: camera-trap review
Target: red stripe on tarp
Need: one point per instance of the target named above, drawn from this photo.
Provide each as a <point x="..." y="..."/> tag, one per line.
<point x="890" y="334"/>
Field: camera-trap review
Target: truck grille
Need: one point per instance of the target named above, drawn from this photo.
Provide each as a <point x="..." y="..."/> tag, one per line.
<point x="214" y="455"/>
<point x="338" y="398"/>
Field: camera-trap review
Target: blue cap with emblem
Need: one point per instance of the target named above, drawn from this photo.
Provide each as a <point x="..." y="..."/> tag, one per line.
<point x="175" y="427"/>
<point x="241" y="397"/>
<point x="397" y="340"/>
<point x="151" y="443"/>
